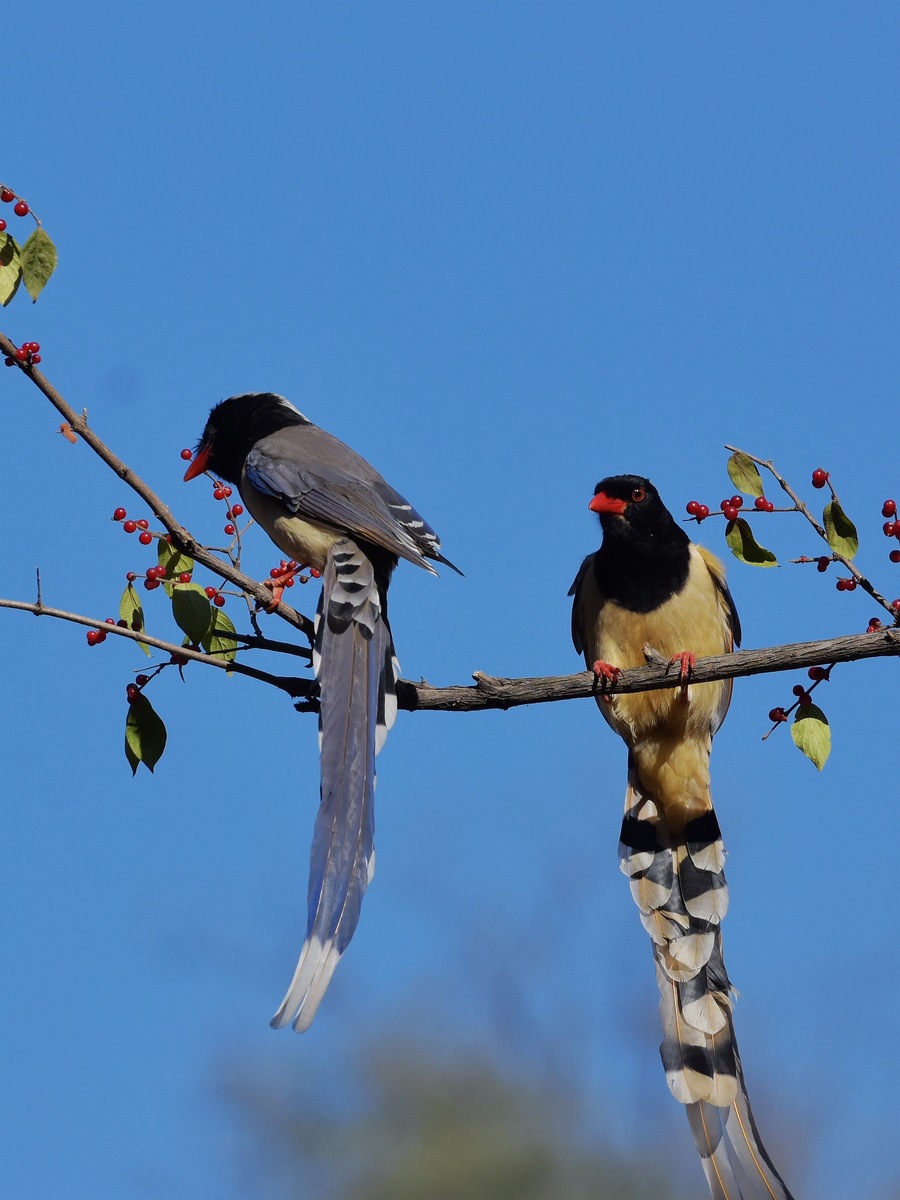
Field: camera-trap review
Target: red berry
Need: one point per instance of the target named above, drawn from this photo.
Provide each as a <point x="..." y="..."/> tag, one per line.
<point x="2" y="225"/>
<point x="822" y="563"/>
<point x="187" y="455"/>
<point x="10" y="362"/>
<point x="895" y="604"/>
<point x="798" y="689"/>
<point x="702" y="512"/>
<point x="737" y="501"/>
<point x="227" y="490"/>
<point x="819" y="477"/>
<point x="889" y="508"/>
<point x="218" y="493"/>
<point x="804" y="699"/>
<point x="317" y="574"/>
<point x="146" y="538"/>
<point x="119" y="514"/>
<point x="35" y="358"/>
<point x="211" y="592"/>
<point x="777" y="714"/>
<point x="140" y="680"/>
<point x="22" y="354"/>
<point x="143" y="523"/>
<point x="130" y="526"/>
<point x="131" y="577"/>
<point x="151" y="584"/>
<point x="6" y="195"/>
<point x="889" y="528"/>
<point x="817" y="673"/>
<point x="692" y="508"/>
<point x="122" y="623"/>
<point x="21" y="209"/>
<point x="760" y="503"/>
<point x="219" y="600"/>
<point x="184" y="577"/>
<point x="132" y="692"/>
<point x="95" y="637"/>
<point x="229" y="529"/>
<point x="730" y="512"/>
<point x="894" y="556"/>
<point x="237" y="510"/>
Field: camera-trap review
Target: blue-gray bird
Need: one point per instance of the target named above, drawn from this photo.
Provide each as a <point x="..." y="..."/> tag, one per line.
<point x="326" y="507"/>
<point x="648" y="584"/>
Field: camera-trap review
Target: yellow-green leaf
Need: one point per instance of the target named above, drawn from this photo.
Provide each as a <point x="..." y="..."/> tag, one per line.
<point x="743" y="473"/>
<point x="145" y="734"/>
<point x="132" y="613"/>
<point x="743" y="545"/>
<point x="842" y="535"/>
<point x="10" y="268"/>
<point x="812" y="734"/>
<point x="218" y="639"/>
<point x="174" y="562"/>
<point x="38" y="262"/>
<point x="192" y="611"/>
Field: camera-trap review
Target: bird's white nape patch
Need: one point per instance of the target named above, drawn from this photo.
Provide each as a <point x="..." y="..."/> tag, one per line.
<point x="285" y="403"/>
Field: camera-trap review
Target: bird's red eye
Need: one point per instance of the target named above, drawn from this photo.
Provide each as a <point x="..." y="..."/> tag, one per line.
<point x="638" y="494"/>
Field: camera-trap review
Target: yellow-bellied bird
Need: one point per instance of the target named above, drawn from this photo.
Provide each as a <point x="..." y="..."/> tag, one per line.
<point x="648" y="584"/>
<point x="326" y="507"/>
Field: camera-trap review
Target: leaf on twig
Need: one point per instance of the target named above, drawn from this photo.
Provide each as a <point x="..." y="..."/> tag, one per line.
<point x="218" y="639"/>
<point x="192" y="611"/>
<point x="132" y="613"/>
<point x="812" y="734"/>
<point x="743" y="545"/>
<point x="38" y="262"/>
<point x="145" y="734"/>
<point x="10" y="268"/>
<point x="842" y="535"/>
<point x="174" y="562"/>
<point x="743" y="473"/>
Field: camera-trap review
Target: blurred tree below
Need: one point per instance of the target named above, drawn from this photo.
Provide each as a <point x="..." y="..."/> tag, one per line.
<point x="424" y="1126"/>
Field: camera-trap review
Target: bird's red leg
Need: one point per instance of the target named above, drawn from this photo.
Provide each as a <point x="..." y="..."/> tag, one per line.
<point x="605" y="673"/>
<point x="282" y="577"/>
<point x="687" y="662"/>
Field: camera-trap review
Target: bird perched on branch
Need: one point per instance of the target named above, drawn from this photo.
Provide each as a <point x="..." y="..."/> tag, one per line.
<point x="327" y="508"/>
<point x="649" y="585"/>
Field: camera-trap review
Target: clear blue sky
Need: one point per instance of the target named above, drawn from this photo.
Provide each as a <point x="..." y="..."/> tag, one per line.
<point x="503" y="249"/>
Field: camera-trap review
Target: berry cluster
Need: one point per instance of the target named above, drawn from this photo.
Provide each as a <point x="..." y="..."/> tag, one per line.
<point x="730" y="508"/>
<point x="27" y="354"/>
<point x="804" y="699"/>
<point x="819" y="477"/>
<point x="217" y="597"/>
<point x="21" y="209"/>
<point x="96" y="636"/>
<point x="131" y="526"/>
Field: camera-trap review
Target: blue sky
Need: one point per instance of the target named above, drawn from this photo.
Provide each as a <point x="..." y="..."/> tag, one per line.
<point x="503" y="249"/>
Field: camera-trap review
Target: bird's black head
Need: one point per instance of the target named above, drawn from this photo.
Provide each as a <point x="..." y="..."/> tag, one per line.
<point x="644" y="558"/>
<point x="629" y="506"/>
<point x="234" y="427"/>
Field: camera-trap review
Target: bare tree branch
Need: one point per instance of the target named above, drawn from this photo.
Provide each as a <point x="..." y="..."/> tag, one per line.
<point x="491" y="692"/>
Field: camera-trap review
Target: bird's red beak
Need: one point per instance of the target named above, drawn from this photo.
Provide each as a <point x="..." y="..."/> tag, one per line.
<point x="198" y="466"/>
<point x="601" y="503"/>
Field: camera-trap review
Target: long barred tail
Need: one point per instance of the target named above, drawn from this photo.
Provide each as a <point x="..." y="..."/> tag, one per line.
<point x="353" y="658"/>
<point x="678" y="883"/>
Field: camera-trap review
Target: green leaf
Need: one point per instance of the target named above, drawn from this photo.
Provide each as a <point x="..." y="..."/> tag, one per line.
<point x="145" y="734"/>
<point x="10" y="268"/>
<point x="743" y="545"/>
<point x="218" y="639"/>
<point x="38" y="262"/>
<point x="812" y="734"/>
<point x="842" y="535"/>
<point x="132" y="613"/>
<point x="175" y="564"/>
<point x="743" y="473"/>
<point x="192" y="611"/>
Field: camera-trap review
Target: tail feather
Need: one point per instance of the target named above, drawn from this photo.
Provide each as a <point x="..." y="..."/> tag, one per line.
<point x="354" y="662"/>
<point x="678" y="882"/>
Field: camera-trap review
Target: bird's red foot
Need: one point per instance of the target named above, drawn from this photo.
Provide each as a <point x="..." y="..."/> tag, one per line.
<point x="605" y="673"/>
<point x="687" y="662"/>
<point x="281" y="577"/>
